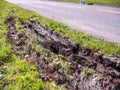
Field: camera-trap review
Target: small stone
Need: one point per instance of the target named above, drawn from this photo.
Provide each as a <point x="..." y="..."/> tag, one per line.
<point x="53" y="84"/>
<point x="1" y="75"/>
<point x="27" y="56"/>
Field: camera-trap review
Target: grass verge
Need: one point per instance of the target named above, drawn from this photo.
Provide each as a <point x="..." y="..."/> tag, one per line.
<point x="18" y="74"/>
<point x="102" y="2"/>
<point x="15" y="72"/>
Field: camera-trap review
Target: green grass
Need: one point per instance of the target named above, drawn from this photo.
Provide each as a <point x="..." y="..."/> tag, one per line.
<point x="102" y="2"/>
<point x="87" y="71"/>
<point x="18" y="74"/>
<point x="15" y="72"/>
<point x="5" y="48"/>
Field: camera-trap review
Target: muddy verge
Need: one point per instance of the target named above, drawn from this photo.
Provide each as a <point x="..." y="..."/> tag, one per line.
<point x="88" y="70"/>
<point x="107" y="69"/>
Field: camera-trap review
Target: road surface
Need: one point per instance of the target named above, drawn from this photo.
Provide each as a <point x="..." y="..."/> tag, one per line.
<point x="99" y="21"/>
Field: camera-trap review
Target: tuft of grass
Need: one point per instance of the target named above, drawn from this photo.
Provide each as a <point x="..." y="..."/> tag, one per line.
<point x="87" y="71"/>
<point x="20" y="75"/>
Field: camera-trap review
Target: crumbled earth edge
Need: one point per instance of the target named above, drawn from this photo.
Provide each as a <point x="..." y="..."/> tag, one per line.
<point x="103" y="73"/>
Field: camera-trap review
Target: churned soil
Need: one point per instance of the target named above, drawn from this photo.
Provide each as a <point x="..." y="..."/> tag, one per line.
<point x="105" y="73"/>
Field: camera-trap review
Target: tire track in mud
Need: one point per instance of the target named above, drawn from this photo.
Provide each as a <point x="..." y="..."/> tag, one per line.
<point x="107" y="69"/>
<point x="106" y="75"/>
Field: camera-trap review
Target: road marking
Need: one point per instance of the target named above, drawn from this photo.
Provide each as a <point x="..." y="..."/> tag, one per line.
<point x="109" y="11"/>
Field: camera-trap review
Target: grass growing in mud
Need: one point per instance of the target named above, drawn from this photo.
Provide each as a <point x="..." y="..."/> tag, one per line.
<point x="102" y="2"/>
<point x="18" y="74"/>
<point x="15" y="72"/>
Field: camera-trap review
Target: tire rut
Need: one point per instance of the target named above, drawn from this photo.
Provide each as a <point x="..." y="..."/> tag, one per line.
<point x="107" y="69"/>
<point x="106" y="74"/>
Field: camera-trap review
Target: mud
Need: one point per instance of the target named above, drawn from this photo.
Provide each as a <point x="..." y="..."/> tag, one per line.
<point x="106" y="75"/>
<point x="107" y="69"/>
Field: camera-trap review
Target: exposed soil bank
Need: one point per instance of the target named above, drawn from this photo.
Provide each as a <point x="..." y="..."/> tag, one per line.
<point x="103" y="73"/>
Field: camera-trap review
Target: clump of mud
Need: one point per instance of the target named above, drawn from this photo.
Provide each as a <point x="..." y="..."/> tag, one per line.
<point x="106" y="74"/>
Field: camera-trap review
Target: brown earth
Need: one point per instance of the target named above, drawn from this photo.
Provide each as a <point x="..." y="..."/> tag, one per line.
<point x="103" y="73"/>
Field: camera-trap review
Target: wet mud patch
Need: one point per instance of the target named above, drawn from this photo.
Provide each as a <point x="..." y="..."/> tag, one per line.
<point x="50" y="69"/>
<point x="86" y="69"/>
<point x="106" y="75"/>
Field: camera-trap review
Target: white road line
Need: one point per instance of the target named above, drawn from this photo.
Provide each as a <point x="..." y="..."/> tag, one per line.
<point x="108" y="11"/>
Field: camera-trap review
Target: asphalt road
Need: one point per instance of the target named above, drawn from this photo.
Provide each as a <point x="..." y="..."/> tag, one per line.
<point x="99" y="21"/>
